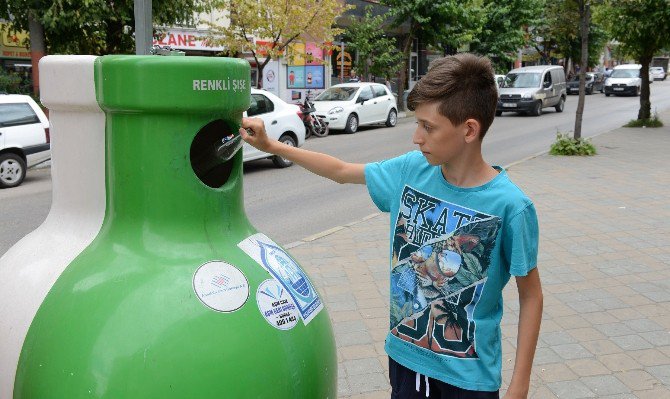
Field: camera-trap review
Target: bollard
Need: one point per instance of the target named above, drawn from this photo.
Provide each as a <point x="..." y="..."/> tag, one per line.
<point x="178" y="296"/>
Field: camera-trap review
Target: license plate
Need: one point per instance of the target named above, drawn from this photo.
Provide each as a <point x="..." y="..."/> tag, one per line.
<point x="509" y="105"/>
<point x="618" y="89"/>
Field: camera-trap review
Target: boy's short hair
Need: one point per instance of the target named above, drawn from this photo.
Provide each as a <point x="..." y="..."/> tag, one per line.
<point x="463" y="85"/>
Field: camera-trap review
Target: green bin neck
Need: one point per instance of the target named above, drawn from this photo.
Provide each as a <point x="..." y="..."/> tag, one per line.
<point x="150" y="180"/>
<point x="155" y="106"/>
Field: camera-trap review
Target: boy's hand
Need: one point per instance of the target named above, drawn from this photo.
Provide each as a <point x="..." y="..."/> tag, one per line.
<point x="253" y="132"/>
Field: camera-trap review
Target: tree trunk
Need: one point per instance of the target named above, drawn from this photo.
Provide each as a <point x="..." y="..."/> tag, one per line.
<point x="584" y="16"/>
<point x="402" y="74"/>
<point x="645" y="101"/>
<point x="37" y="49"/>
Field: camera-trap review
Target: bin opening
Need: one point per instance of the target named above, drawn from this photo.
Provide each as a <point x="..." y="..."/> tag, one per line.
<point x="212" y="152"/>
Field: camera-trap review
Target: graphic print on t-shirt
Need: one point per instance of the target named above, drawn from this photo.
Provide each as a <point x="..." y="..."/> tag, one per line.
<point x="441" y="254"/>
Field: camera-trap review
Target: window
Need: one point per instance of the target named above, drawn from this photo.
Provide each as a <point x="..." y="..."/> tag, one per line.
<point x="380" y="91"/>
<point x="547" y="79"/>
<point x="366" y="94"/>
<point x="17" y="114"/>
<point x="260" y="105"/>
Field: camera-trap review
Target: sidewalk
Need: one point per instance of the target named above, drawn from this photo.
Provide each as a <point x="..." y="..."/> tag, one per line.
<point x="604" y="262"/>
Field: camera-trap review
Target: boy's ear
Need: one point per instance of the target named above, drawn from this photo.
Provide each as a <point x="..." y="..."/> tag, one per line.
<point x="473" y="128"/>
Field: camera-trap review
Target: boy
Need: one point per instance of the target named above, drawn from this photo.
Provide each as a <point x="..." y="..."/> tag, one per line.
<point x="459" y="229"/>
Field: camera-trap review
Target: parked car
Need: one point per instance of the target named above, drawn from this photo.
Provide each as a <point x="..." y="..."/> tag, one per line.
<point x="594" y="81"/>
<point x="24" y="138"/>
<point x="657" y="73"/>
<point x="281" y="123"/>
<point x="529" y="89"/>
<point x="350" y="105"/>
<point x="625" y="79"/>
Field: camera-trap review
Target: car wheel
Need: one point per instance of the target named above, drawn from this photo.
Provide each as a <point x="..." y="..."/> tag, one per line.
<point x="392" y="119"/>
<point x="561" y="104"/>
<point x="607" y="94"/>
<point x="352" y="124"/>
<point x="283" y="162"/>
<point x="537" y="109"/>
<point x="12" y="170"/>
<point x="637" y="92"/>
<point x="589" y="91"/>
<point x="498" y="113"/>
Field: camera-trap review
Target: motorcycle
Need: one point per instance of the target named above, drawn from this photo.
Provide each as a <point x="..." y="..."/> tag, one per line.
<point x="314" y="125"/>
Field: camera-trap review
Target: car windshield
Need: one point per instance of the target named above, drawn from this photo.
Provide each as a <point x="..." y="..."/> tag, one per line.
<point x="340" y="93"/>
<point x="625" y="73"/>
<point x="523" y="80"/>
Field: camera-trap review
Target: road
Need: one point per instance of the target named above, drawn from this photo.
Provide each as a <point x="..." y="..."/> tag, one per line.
<point x="291" y="204"/>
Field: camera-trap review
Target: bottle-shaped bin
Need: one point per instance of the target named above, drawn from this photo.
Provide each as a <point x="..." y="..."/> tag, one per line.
<point x="178" y="296"/>
<point x="29" y="269"/>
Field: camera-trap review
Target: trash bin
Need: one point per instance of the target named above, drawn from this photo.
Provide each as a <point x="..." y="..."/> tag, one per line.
<point x="178" y="296"/>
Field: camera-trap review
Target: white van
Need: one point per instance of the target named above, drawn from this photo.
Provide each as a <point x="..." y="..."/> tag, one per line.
<point x="529" y="89"/>
<point x="625" y="79"/>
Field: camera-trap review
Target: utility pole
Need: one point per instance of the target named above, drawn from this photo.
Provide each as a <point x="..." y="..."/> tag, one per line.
<point x="144" y="29"/>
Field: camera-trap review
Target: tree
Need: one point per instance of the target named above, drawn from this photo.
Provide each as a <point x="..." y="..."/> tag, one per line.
<point x="643" y="28"/>
<point x="504" y="29"/>
<point x="377" y="53"/>
<point x="92" y="26"/>
<point x="279" y="22"/>
<point x="584" y="19"/>
<point x="448" y="24"/>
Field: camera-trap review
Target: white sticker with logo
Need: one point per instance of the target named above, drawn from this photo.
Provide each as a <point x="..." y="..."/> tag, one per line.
<point x="276" y="305"/>
<point x="221" y="286"/>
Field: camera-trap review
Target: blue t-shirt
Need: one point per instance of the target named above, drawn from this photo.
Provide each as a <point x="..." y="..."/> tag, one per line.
<point x="453" y="249"/>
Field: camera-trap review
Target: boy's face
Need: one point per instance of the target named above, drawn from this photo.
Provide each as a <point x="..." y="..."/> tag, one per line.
<point x="438" y="139"/>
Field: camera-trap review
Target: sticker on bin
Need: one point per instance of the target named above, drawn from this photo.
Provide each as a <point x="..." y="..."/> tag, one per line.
<point x="220" y="286"/>
<point x="287" y="272"/>
<point x="276" y="305"/>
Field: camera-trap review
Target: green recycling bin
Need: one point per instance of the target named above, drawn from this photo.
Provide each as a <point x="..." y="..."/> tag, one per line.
<point x="178" y="296"/>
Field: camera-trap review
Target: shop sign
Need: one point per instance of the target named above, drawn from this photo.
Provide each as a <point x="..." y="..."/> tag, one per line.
<point x="185" y="40"/>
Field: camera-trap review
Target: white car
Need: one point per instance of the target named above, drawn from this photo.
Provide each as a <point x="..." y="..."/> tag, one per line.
<point x="281" y="123"/>
<point x="24" y="138"/>
<point x="350" y="105"/>
<point x="657" y="73"/>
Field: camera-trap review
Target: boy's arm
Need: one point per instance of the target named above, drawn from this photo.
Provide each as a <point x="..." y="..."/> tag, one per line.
<point x="323" y="165"/>
<point x="530" y="315"/>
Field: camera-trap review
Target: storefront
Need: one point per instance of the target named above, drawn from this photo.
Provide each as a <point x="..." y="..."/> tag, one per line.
<point x="14" y="57"/>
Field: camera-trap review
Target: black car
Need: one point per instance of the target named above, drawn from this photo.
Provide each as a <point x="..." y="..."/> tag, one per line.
<point x="594" y="81"/>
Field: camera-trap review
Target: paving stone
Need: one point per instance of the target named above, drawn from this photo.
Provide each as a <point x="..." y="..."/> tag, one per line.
<point x="631" y="342"/>
<point x="362" y="366"/>
<point x="619" y="362"/>
<point x="605" y="385"/>
<point x="587" y="367"/>
<point x="369" y="382"/>
<point x="571" y="351"/>
<point x="662" y="373"/>
<point x="637" y="379"/>
<point x="571" y="390"/>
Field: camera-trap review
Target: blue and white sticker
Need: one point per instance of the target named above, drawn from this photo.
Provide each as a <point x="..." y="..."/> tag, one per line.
<point x="220" y="286"/>
<point x="276" y="305"/>
<point x="287" y="272"/>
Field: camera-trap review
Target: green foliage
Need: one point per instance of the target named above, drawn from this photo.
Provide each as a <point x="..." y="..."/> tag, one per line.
<point x="504" y="29"/>
<point x="377" y="53"/>
<point x="93" y="26"/>
<point x="9" y="82"/>
<point x="566" y="145"/>
<point x="558" y="33"/>
<point x="651" y="122"/>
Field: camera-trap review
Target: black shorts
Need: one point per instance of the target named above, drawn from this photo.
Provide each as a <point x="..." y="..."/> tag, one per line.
<point x="404" y="386"/>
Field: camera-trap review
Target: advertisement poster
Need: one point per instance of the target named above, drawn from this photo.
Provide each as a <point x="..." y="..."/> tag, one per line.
<point x="271" y="77"/>
<point x="298" y="53"/>
<point x="314" y="77"/>
<point x="313" y="54"/>
<point x="296" y="77"/>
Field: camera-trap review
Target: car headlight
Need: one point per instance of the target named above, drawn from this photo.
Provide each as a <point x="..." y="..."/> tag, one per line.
<point x="336" y="110"/>
<point x="526" y="96"/>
